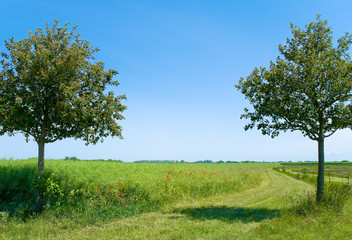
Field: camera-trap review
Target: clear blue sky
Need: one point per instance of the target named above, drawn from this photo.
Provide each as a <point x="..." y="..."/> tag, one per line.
<point x="178" y="62"/>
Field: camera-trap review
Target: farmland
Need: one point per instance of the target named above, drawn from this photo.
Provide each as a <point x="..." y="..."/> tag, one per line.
<point x="115" y="200"/>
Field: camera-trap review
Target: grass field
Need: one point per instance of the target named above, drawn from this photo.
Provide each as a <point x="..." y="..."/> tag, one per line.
<point x="111" y="200"/>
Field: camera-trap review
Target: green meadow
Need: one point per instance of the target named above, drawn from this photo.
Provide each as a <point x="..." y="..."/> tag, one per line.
<point x="117" y="200"/>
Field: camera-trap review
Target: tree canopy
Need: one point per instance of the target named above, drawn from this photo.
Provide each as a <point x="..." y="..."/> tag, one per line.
<point x="51" y="90"/>
<point x="308" y="89"/>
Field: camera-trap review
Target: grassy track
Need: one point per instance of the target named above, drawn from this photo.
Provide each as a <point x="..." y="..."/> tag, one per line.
<point x="230" y="216"/>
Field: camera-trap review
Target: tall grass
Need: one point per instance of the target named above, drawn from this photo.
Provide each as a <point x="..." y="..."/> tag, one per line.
<point x="334" y="199"/>
<point x="94" y="191"/>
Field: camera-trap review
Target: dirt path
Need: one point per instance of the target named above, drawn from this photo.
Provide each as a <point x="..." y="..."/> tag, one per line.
<point x="222" y="217"/>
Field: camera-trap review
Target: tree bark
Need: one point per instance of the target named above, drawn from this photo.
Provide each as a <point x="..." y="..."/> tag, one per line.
<point x="320" y="179"/>
<point x="38" y="200"/>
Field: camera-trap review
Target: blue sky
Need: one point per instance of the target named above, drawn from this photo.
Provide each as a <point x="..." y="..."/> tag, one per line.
<point x="178" y="62"/>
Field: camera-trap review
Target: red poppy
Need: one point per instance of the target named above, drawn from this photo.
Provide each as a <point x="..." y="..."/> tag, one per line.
<point x="119" y="194"/>
<point x="98" y="190"/>
<point x="121" y="184"/>
<point x="168" y="177"/>
<point x="107" y="196"/>
<point x="110" y="185"/>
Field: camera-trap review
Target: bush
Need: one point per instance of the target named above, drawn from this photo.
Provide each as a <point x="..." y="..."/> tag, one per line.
<point x="49" y="187"/>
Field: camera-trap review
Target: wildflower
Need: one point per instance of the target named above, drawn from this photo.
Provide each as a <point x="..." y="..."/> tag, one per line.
<point x="168" y="177"/>
<point x="98" y="185"/>
<point x="170" y="172"/>
<point x="121" y="184"/>
<point x="186" y="186"/>
<point x="98" y="189"/>
<point x="180" y="172"/>
<point x="110" y="185"/>
<point x="119" y="194"/>
<point x="107" y="196"/>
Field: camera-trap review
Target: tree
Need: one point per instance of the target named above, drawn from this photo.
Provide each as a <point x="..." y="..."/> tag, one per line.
<point x="51" y="89"/>
<point x="308" y="90"/>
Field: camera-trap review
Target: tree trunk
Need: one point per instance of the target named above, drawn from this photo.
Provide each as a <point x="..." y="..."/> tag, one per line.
<point x="38" y="199"/>
<point x="320" y="180"/>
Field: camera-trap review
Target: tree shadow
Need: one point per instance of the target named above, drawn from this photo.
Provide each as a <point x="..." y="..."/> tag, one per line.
<point x="229" y="214"/>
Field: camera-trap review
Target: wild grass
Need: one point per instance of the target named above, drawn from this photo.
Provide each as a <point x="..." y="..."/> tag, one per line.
<point x="334" y="199"/>
<point x="93" y="192"/>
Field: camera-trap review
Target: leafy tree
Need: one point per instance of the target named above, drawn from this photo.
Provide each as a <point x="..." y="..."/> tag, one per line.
<point x="51" y="89"/>
<point x="308" y="90"/>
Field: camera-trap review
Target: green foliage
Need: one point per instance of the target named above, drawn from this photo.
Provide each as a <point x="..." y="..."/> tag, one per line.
<point x="49" y="186"/>
<point x="308" y="90"/>
<point x="50" y="89"/>
<point x="280" y="168"/>
<point x="17" y="188"/>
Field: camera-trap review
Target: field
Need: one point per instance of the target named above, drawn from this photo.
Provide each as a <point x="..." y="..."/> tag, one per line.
<point x="115" y="200"/>
<point x="334" y="171"/>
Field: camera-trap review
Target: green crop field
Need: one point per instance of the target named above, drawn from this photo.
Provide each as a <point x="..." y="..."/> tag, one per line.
<point x="116" y="200"/>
